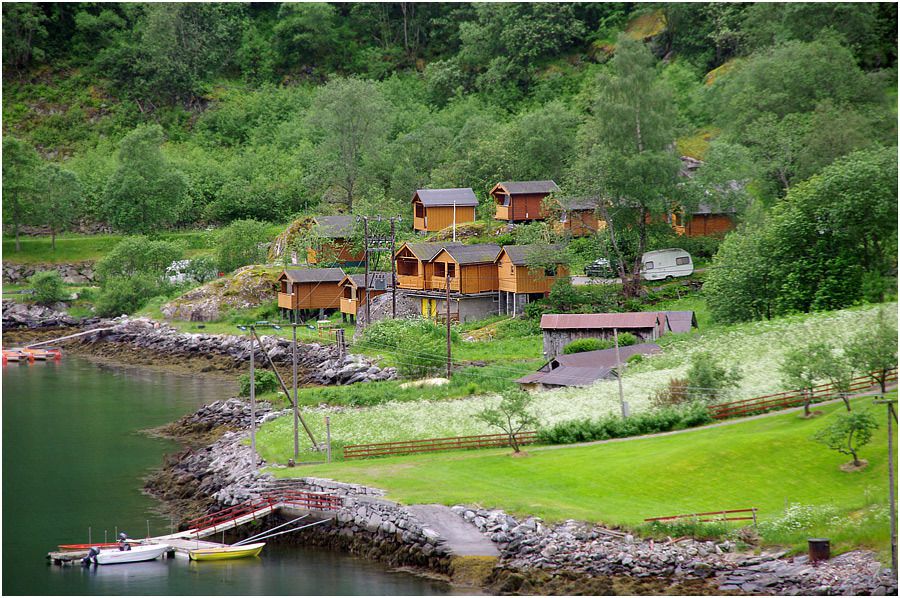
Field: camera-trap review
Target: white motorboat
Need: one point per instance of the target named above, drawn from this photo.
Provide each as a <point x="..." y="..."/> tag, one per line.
<point x="139" y="553"/>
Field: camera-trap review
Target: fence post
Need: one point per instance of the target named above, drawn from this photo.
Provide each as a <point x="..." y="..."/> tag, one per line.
<point x="754" y="516"/>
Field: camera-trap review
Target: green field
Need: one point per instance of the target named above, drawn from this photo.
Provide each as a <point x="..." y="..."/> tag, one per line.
<point x="82" y="248"/>
<point x="767" y="463"/>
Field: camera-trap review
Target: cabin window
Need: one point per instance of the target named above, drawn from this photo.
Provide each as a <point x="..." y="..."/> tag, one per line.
<point x="442" y="269"/>
<point x="648" y="265"/>
<point x="407" y="267"/>
<point x="550" y="271"/>
<point x="563" y="217"/>
<point x="451" y="270"/>
<point x="420" y="211"/>
<point x="682" y="261"/>
<point x="506" y="199"/>
<point x="512" y="268"/>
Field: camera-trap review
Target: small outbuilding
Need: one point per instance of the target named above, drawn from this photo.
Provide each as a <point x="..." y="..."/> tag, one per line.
<point x="437" y="209"/>
<point x="414" y="264"/>
<point x="561" y="329"/>
<point x="305" y="291"/>
<point x="583" y="369"/>
<point x="521" y="282"/>
<point x="521" y="201"/>
<point x="471" y="268"/>
<point x="707" y="220"/>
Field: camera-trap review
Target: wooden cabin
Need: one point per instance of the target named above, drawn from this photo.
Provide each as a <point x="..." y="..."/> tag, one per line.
<point x="303" y="291"/>
<point x="356" y="290"/>
<point x="472" y="268"/>
<point x="521" y="201"/>
<point x="521" y="283"/>
<point x="414" y="267"/>
<point x="705" y="220"/>
<point x="437" y="209"/>
<point x="338" y="231"/>
<point x="579" y="216"/>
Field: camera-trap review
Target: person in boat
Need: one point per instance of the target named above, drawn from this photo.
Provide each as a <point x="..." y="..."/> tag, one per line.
<point x="123" y="542"/>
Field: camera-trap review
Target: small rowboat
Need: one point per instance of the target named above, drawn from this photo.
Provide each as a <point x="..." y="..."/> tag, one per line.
<point x="137" y="554"/>
<point x="222" y="553"/>
<point x="16" y="355"/>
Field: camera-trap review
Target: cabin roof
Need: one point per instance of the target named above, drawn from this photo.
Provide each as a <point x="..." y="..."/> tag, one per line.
<point x="334" y="227"/>
<point x="519" y="254"/>
<point x="708" y="208"/>
<point x="582" y="369"/>
<point x="314" y="275"/>
<point x="426" y="251"/>
<point x="358" y="280"/>
<point x="523" y="187"/>
<point x="644" y="319"/>
<point x="579" y="203"/>
<point x="605" y="357"/>
<point x="473" y="254"/>
<point x="681" y="321"/>
<point x="463" y="196"/>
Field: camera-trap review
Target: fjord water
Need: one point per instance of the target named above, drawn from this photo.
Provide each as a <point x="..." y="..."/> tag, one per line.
<point x="74" y="457"/>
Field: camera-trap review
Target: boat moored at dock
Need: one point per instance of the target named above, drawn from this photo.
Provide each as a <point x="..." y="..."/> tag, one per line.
<point x="222" y="553"/>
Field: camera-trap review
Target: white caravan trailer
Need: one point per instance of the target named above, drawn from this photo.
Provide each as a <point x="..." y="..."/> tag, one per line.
<point x="666" y="264"/>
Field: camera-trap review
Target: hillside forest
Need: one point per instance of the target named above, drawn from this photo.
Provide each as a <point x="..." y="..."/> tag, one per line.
<point x="144" y="118"/>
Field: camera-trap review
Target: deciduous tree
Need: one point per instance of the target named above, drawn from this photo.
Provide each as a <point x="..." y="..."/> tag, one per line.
<point x="58" y="200"/>
<point x="512" y="415"/>
<point x="848" y="433"/>
<point x="872" y="350"/>
<point x="20" y="166"/>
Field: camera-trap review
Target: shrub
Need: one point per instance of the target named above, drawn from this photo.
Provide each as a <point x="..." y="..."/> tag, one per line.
<point x="138" y="255"/>
<point x="635" y="359"/>
<point x="241" y="243"/>
<point x="201" y="269"/>
<point x="406" y="334"/>
<point x="587" y="344"/>
<point x="48" y="287"/>
<point x="707" y="379"/>
<point x="627" y="339"/>
<point x="674" y="394"/>
<point x="650" y="422"/>
<point x="426" y="357"/>
<point x="264" y="381"/>
<point x="127" y="294"/>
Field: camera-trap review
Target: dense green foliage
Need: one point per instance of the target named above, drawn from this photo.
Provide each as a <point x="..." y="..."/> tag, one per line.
<point x="241" y="243"/>
<point x="650" y="422"/>
<point x="872" y="350"/>
<point x="707" y="379"/>
<point x="816" y="248"/>
<point x="138" y="255"/>
<point x="48" y="287"/>
<point x="586" y="344"/>
<point x="264" y="381"/>
<point x="127" y="294"/>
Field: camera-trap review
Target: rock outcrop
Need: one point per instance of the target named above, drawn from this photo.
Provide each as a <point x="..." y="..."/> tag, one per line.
<point x="248" y="287"/>
<point x="22" y="315"/>
<point x="74" y="273"/>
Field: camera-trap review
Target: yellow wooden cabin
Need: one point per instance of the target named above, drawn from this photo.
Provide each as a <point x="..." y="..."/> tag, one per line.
<point x="521" y="201"/>
<point x="472" y="268"/>
<point x="437" y="209"/>
<point x="303" y="291"/>
<point x="356" y="290"/>
<point x="414" y="264"/>
<point x="579" y="216"/>
<point x="338" y="231"/>
<point x="519" y="282"/>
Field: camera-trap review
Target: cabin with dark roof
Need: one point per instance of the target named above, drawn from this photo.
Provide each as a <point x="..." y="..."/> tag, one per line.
<point x="706" y="220"/>
<point x="579" y="216"/>
<point x="303" y="291"/>
<point x="521" y="201"/>
<point x="356" y="289"/>
<point x="414" y="264"/>
<point x="472" y="268"/>
<point x="583" y="369"/>
<point x="337" y="232"/>
<point x="437" y="209"/>
<point x="520" y="282"/>
<point x="561" y="329"/>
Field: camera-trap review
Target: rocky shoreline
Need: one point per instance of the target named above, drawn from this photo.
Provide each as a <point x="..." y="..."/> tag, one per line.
<point x="569" y="558"/>
<point x="145" y="341"/>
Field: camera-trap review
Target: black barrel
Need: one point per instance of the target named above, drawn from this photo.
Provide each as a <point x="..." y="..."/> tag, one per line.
<point x="819" y="549"/>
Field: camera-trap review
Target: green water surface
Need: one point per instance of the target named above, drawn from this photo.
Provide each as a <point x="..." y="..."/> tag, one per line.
<point x="73" y="459"/>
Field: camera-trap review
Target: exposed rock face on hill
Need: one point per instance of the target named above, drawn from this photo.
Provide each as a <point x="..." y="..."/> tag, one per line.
<point x="248" y="287"/>
<point x="21" y="315"/>
<point x="74" y="273"/>
<point x="286" y="237"/>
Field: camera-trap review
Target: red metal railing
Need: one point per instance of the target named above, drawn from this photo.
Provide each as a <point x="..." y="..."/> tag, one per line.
<point x="312" y="501"/>
<point x="711" y="516"/>
<point x="790" y="398"/>
<point x="428" y="445"/>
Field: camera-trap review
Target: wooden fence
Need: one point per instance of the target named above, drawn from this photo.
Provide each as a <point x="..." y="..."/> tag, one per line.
<point x="790" y="398"/>
<point x="429" y="445"/>
<point x="711" y="516"/>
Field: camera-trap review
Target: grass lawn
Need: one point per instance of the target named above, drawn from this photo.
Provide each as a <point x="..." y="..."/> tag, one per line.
<point x="767" y="463"/>
<point x="80" y="248"/>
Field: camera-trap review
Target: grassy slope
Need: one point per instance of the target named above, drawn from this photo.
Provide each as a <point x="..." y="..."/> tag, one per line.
<point x="765" y="463"/>
<point x="80" y="248"/>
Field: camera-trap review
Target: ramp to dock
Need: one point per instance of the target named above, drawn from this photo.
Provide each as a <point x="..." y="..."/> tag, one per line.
<point x="462" y="538"/>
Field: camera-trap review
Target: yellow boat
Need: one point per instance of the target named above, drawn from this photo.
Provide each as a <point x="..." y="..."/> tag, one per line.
<point x="221" y="553"/>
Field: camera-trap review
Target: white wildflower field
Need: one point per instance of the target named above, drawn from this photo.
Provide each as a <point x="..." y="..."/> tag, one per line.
<point x="755" y="347"/>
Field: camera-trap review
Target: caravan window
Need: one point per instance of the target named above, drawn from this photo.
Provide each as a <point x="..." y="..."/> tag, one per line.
<point x="648" y="265"/>
<point x="682" y="261"/>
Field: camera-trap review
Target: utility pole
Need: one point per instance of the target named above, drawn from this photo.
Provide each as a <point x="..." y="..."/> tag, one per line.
<point x="296" y="406"/>
<point x="366" y="276"/>
<point x="393" y="272"/>
<point x="619" y="375"/>
<point x="449" y="361"/>
<point x="252" y="391"/>
<point x="892" y="496"/>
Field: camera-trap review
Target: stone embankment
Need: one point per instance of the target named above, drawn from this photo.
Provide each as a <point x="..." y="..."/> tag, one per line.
<point x="138" y="340"/>
<point x="74" y="273"/>
<point x="569" y="558"/>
